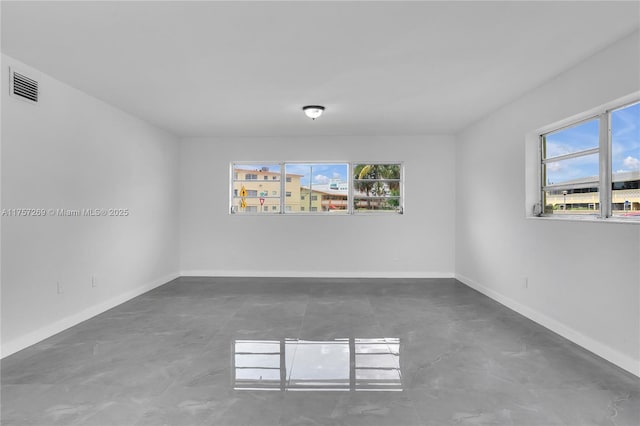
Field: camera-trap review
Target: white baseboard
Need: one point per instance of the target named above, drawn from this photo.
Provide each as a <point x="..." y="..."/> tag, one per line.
<point x="40" y="334"/>
<point x="602" y="350"/>
<point x="313" y="274"/>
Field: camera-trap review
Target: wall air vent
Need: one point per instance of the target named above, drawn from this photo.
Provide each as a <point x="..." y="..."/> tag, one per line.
<point x="23" y="87"/>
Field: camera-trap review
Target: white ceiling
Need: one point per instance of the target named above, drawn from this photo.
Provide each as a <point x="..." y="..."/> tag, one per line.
<point x="247" y="68"/>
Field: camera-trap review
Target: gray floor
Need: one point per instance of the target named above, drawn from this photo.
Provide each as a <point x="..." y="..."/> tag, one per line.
<point x="165" y="358"/>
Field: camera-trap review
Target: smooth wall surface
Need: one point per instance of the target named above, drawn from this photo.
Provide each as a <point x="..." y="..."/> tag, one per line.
<point x="583" y="278"/>
<point x="72" y="151"/>
<point x="418" y="243"/>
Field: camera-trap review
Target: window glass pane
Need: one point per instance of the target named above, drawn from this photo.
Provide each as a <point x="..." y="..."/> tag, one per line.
<point x="580" y="200"/>
<point x="377" y="187"/>
<point x="318" y="187"/>
<point x="573" y="139"/>
<point x="576" y="170"/>
<point x="256" y="188"/>
<point x="625" y="161"/>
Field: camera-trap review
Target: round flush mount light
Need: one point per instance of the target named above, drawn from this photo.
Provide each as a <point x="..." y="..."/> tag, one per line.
<point x="313" y="111"/>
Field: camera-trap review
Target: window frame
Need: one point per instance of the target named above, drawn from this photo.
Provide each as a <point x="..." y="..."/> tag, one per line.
<point x="350" y="210"/>
<point x="605" y="174"/>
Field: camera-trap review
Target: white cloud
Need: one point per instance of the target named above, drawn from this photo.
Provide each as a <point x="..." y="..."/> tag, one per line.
<point x="554" y="167"/>
<point x="336" y="175"/>
<point x="631" y="163"/>
<point x="321" y="179"/>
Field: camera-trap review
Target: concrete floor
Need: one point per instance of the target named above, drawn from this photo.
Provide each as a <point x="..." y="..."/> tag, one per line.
<point x="441" y="353"/>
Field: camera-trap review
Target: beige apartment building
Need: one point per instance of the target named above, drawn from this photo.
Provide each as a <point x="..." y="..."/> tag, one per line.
<point x="625" y="196"/>
<point x="263" y="189"/>
<point x="324" y="198"/>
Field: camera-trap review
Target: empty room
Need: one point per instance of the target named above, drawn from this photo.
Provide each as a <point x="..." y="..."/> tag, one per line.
<point x="320" y="213"/>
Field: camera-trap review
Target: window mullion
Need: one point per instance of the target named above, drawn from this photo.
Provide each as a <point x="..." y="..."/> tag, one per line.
<point x="350" y="179"/>
<point x="283" y="179"/>
<point x="605" y="165"/>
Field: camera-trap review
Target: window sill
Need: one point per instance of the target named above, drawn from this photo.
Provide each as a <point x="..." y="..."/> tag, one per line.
<point x="592" y="219"/>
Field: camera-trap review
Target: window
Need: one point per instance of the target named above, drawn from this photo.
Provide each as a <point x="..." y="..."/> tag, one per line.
<point x="377" y="187"/>
<point x="570" y="167"/>
<point x="592" y="167"/>
<point x="625" y="161"/>
<point x="257" y="189"/>
<point x="321" y="188"/>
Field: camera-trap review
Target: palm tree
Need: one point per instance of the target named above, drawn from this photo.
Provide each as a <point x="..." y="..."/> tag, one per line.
<point x="377" y="180"/>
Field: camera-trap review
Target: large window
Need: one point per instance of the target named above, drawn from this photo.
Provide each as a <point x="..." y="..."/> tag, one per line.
<point x="316" y="188"/>
<point x="592" y="167"/>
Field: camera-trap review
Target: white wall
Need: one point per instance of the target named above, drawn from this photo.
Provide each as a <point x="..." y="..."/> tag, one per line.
<point x="73" y="151"/>
<point x="418" y="243"/>
<point x="584" y="278"/>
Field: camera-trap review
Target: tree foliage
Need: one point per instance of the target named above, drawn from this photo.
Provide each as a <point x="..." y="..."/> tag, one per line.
<point x="377" y="180"/>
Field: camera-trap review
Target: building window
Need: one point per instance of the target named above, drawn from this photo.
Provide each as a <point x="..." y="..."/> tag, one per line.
<point x="592" y="167"/>
<point x="336" y="188"/>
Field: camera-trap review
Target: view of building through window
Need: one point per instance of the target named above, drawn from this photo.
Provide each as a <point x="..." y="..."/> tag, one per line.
<point x="316" y="188"/>
<point x="571" y="163"/>
<point x="625" y="161"/>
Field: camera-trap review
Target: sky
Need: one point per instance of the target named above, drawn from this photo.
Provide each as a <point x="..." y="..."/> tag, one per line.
<point x="322" y="172"/>
<point x="625" y="146"/>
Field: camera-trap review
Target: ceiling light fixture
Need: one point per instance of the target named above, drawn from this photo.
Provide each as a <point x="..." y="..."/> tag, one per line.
<point x="313" y="111"/>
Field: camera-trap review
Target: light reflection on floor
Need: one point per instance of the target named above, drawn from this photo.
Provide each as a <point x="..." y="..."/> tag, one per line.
<point x="347" y="364"/>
